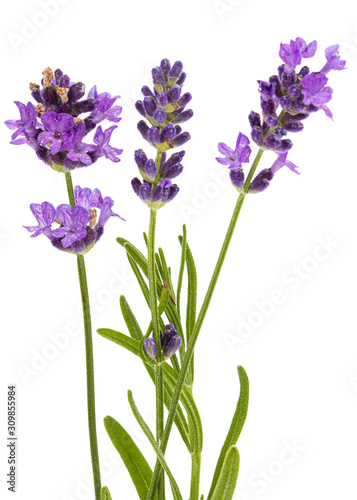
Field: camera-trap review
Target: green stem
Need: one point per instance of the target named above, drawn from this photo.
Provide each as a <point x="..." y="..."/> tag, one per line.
<point x="90" y="375"/>
<point x="192" y="342"/>
<point x="70" y="191"/>
<point x="89" y="357"/>
<point x="159" y="378"/>
<point x="195" y="475"/>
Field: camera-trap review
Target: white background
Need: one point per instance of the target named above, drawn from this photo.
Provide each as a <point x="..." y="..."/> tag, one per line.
<point x="300" y="354"/>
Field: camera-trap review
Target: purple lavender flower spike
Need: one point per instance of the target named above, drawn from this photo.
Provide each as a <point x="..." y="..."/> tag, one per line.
<point x="79" y="227"/>
<point x="150" y="348"/>
<point x="299" y="93"/>
<point x="45" y="215"/>
<point x="164" y="109"/>
<point x="104" y="148"/>
<point x="333" y="60"/>
<point x="235" y="158"/>
<point x="57" y="141"/>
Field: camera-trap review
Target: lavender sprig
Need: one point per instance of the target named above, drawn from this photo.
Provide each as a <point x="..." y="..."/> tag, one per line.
<point x="163" y="108"/>
<point x="286" y="100"/>
<point x="56" y="126"/>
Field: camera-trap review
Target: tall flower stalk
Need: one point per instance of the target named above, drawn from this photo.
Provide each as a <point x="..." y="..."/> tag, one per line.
<point x="164" y="108"/>
<point x="54" y="128"/>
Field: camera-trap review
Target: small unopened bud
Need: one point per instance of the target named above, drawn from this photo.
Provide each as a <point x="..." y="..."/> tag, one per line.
<point x="150" y="348"/>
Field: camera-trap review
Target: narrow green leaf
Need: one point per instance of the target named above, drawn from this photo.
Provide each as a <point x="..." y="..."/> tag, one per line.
<point x="130" y="320"/>
<point x="120" y="339"/>
<point x="104" y="494"/>
<point x="175" y="489"/>
<point x="191" y="301"/>
<point x="145" y="238"/>
<point x="132" y="457"/>
<point x="182" y="268"/>
<point x="227" y="480"/>
<point x="159" y="266"/>
<point x="236" y="427"/>
<point x="139" y="258"/>
<point x="189" y="404"/>
<point x="140" y="279"/>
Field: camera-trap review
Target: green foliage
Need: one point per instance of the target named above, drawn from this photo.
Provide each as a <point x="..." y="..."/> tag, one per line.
<point x="228" y="476"/>
<point x="236" y="427"/>
<point x="132" y="457"/>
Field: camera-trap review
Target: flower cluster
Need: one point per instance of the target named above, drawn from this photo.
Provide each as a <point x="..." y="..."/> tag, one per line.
<point x="286" y="100"/>
<point x="170" y="343"/>
<point x="164" y="109"/>
<point x="79" y="227"/>
<point x="57" y="125"/>
<point x="291" y="96"/>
